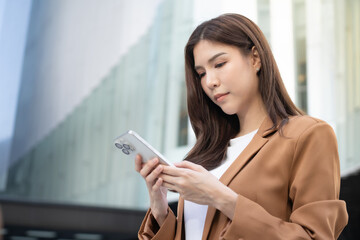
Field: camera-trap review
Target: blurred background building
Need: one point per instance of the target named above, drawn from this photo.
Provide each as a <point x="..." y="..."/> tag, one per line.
<point x="91" y="70"/>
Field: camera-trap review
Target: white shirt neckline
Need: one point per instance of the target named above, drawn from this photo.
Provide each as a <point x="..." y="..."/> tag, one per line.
<point x="195" y="214"/>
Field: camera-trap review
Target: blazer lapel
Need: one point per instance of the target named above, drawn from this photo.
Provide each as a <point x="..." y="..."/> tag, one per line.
<point x="241" y="161"/>
<point x="254" y="146"/>
<point x="180" y="214"/>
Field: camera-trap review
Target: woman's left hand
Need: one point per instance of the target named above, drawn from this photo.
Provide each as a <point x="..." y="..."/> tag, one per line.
<point x="194" y="183"/>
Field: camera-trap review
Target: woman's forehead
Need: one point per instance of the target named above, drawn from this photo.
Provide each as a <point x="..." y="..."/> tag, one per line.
<point x="205" y="50"/>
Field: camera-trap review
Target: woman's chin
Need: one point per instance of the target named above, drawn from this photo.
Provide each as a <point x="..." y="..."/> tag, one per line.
<point x="228" y="111"/>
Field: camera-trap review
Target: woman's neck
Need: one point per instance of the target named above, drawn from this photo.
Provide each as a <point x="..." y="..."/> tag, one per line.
<point x="252" y="119"/>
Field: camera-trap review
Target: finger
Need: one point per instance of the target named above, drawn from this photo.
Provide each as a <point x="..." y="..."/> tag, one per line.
<point x="148" y="167"/>
<point x="138" y="162"/>
<point x="169" y="178"/>
<point x="189" y="165"/>
<point x="170" y="187"/>
<point x="157" y="184"/>
<point x="173" y="171"/>
<point x="151" y="178"/>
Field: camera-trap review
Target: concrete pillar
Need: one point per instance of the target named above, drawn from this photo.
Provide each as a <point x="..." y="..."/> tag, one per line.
<point x="282" y="41"/>
<point x="321" y="59"/>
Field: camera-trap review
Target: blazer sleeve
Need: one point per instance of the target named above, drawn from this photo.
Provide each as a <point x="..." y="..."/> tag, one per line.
<point x="314" y="186"/>
<point x="150" y="229"/>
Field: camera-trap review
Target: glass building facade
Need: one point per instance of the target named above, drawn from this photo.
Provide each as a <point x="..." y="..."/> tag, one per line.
<point x="77" y="161"/>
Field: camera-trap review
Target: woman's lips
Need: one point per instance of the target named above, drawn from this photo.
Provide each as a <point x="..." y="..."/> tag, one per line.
<point x="219" y="97"/>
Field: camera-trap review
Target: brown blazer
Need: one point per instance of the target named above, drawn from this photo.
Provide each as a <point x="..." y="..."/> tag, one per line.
<point x="288" y="188"/>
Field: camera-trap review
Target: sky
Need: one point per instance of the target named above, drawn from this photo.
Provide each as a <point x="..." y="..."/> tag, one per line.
<point x="14" y="17"/>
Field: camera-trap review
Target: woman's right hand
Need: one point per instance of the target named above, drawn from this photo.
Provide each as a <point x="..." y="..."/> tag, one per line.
<point x="150" y="171"/>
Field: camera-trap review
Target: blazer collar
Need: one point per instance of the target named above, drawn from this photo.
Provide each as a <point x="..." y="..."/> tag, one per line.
<point x="259" y="140"/>
<point x="266" y="127"/>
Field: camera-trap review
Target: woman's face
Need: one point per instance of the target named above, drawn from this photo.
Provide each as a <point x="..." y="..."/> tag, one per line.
<point x="228" y="77"/>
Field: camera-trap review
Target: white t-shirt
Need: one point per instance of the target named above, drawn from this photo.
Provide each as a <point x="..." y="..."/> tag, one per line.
<point x="195" y="214"/>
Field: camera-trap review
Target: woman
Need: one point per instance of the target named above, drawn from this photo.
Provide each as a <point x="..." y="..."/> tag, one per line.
<point x="260" y="169"/>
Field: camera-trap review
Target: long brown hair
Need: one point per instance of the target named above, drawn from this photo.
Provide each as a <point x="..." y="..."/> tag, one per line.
<point x="214" y="128"/>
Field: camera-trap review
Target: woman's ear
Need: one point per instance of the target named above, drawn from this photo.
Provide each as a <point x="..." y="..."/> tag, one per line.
<point x="256" y="62"/>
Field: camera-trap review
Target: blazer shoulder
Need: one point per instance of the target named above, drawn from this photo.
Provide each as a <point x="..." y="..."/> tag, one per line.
<point x="297" y="125"/>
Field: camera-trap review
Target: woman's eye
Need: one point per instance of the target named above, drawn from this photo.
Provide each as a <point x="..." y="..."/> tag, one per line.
<point x="220" y="65"/>
<point x="201" y="75"/>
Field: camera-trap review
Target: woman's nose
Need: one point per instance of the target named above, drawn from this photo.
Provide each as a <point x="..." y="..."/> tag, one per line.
<point x="212" y="81"/>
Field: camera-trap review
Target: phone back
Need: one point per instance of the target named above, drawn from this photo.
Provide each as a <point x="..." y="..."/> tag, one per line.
<point x="132" y="144"/>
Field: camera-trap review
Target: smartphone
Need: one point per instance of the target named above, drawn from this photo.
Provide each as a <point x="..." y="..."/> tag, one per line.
<point x="130" y="143"/>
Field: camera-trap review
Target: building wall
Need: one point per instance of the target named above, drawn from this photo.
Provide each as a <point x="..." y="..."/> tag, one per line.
<point x="81" y="161"/>
<point x="71" y="45"/>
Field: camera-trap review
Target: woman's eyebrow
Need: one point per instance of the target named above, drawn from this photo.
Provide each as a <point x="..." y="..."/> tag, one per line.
<point x="212" y="59"/>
